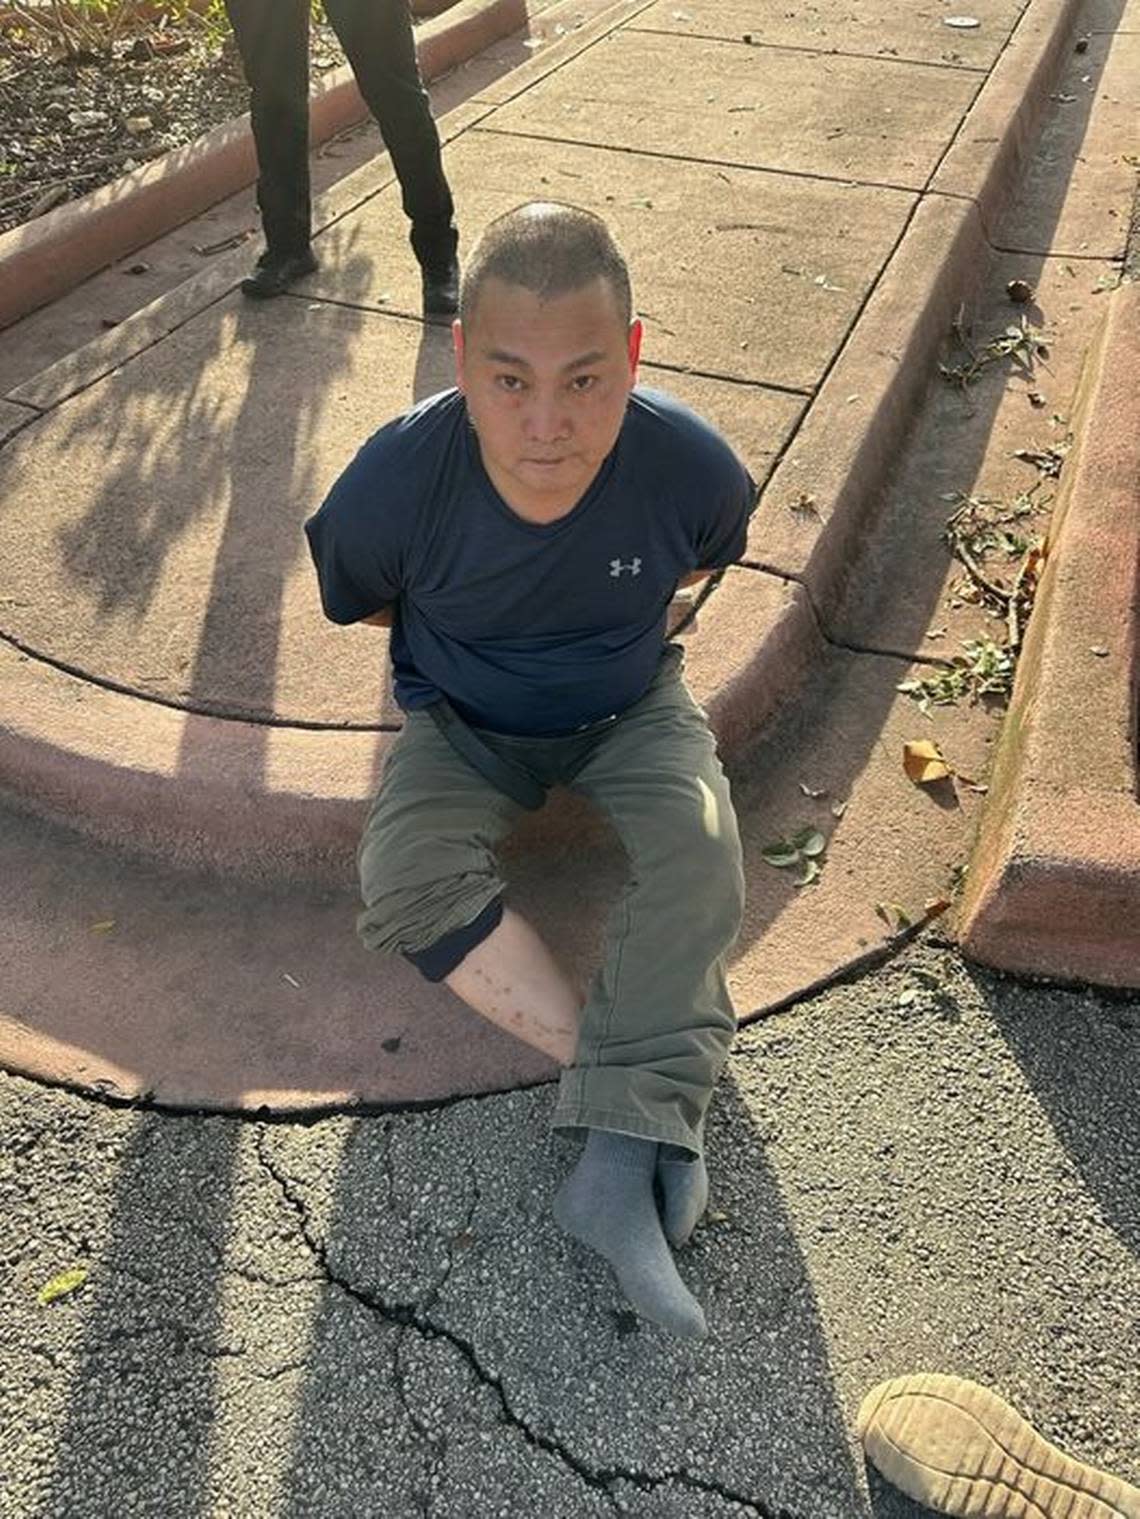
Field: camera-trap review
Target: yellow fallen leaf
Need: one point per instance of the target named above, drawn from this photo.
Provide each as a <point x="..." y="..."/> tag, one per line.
<point x="923" y="762"/>
<point x="59" y="1286"/>
<point x="103" y="927"/>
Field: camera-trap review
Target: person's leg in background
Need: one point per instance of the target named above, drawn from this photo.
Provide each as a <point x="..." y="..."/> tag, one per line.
<point x="273" y="40"/>
<point x="658" y="1024"/>
<point x="378" y="41"/>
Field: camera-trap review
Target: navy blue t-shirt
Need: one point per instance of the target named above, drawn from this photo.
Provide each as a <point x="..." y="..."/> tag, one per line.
<point x="528" y="628"/>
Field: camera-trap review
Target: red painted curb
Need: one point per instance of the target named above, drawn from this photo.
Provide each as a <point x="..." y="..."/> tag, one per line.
<point x="264" y="803"/>
<point x="1054" y="884"/>
<point x="41" y="261"/>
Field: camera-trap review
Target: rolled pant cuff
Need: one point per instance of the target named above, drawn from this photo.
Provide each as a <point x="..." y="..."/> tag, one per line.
<point x="438" y="960"/>
<point x="622" y="1121"/>
<point x="600" y="1097"/>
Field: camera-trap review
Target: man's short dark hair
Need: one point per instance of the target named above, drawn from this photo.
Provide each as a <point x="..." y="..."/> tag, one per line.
<point x="550" y="249"/>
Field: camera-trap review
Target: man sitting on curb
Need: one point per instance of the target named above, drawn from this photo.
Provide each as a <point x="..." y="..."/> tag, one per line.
<point x="522" y="536"/>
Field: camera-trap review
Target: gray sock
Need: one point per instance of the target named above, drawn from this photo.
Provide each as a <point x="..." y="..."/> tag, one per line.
<point x="684" y="1182"/>
<point x="607" y="1203"/>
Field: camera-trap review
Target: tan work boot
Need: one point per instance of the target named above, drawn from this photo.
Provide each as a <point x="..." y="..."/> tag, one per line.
<point x="960" y="1449"/>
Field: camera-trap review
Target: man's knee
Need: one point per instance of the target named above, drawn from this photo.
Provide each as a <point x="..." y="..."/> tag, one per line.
<point x="705" y="863"/>
<point x="434" y="923"/>
<point x="419" y="889"/>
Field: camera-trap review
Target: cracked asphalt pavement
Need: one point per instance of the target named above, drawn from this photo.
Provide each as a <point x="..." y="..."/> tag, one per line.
<point x="929" y="1168"/>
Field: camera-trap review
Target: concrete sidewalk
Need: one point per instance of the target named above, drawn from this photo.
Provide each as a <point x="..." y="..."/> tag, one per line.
<point x="798" y="246"/>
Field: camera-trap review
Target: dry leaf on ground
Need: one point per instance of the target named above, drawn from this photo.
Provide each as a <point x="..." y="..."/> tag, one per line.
<point x="923" y="762"/>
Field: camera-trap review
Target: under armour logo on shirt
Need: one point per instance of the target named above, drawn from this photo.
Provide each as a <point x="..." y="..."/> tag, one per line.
<point x="618" y="568"/>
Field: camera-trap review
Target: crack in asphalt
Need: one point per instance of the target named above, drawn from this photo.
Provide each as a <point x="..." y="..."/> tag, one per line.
<point x="226" y="1267"/>
<point x="410" y="1316"/>
<point x="436" y="1444"/>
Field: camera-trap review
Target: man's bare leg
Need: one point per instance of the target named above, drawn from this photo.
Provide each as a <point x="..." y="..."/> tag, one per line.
<point x="511" y="979"/>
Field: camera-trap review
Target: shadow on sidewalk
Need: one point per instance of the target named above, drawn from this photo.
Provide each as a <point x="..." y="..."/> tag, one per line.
<point x="1084" y="1069"/>
<point x="954" y="431"/>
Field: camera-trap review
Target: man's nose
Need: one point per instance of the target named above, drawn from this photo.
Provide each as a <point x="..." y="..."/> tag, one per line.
<point x="547" y="418"/>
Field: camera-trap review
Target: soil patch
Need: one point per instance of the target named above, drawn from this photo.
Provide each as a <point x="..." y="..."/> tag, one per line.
<point x="68" y="126"/>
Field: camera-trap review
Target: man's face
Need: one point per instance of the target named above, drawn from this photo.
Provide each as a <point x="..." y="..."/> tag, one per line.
<point x="546" y="385"/>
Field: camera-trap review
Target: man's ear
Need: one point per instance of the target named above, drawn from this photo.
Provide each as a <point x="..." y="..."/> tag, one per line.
<point x="635" y="334"/>
<point x="457" y="345"/>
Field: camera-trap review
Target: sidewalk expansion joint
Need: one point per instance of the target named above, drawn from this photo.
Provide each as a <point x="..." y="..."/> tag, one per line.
<point x="758" y="567"/>
<point x="912" y="657"/>
<point x="815" y="52"/>
<point x="843" y="180"/>
<point x="1057" y="258"/>
<point x="728" y="379"/>
<point x="404" y="1316"/>
<point x="412" y="318"/>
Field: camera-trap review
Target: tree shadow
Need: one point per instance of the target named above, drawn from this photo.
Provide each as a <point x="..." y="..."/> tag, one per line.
<point x="135" y="1435"/>
<point x="500" y="1330"/>
<point x="1083" y="1064"/>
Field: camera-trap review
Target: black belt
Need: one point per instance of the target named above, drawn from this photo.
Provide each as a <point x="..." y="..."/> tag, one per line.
<point x="511" y="779"/>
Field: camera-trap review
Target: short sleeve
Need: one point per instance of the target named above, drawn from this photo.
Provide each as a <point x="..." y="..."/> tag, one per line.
<point x="723" y="531"/>
<point x="354" y="541"/>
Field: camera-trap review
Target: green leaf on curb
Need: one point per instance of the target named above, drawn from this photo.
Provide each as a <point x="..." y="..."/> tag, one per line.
<point x="894" y="915"/>
<point x="810" y="841"/>
<point x="780" y="854"/>
<point x="61" y="1285"/>
<point x="810" y="873"/>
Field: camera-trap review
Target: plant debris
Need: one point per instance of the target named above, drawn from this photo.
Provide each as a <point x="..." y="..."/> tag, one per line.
<point x="63" y="1285"/>
<point x="1018" y="342"/>
<point x="924" y="763"/>
<point x="984" y="670"/>
<point x="980" y="526"/>
<point x="89" y="93"/>
<point x="804" y="505"/>
<point x="1047" y="461"/>
<point x="894" y="915"/>
<point x="805" y="848"/>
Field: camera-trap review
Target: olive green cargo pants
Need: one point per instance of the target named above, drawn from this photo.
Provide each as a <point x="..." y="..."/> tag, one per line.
<point x="658" y="1021"/>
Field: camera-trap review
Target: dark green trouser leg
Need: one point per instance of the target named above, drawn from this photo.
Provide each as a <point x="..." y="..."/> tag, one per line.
<point x="658" y="1024"/>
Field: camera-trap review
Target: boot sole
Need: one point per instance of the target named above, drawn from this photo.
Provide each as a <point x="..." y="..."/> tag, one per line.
<point x="257" y="292"/>
<point x="960" y="1449"/>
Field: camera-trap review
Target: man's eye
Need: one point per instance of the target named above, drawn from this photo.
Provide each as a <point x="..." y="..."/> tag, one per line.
<point x="509" y="382"/>
<point x="582" y="382"/>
